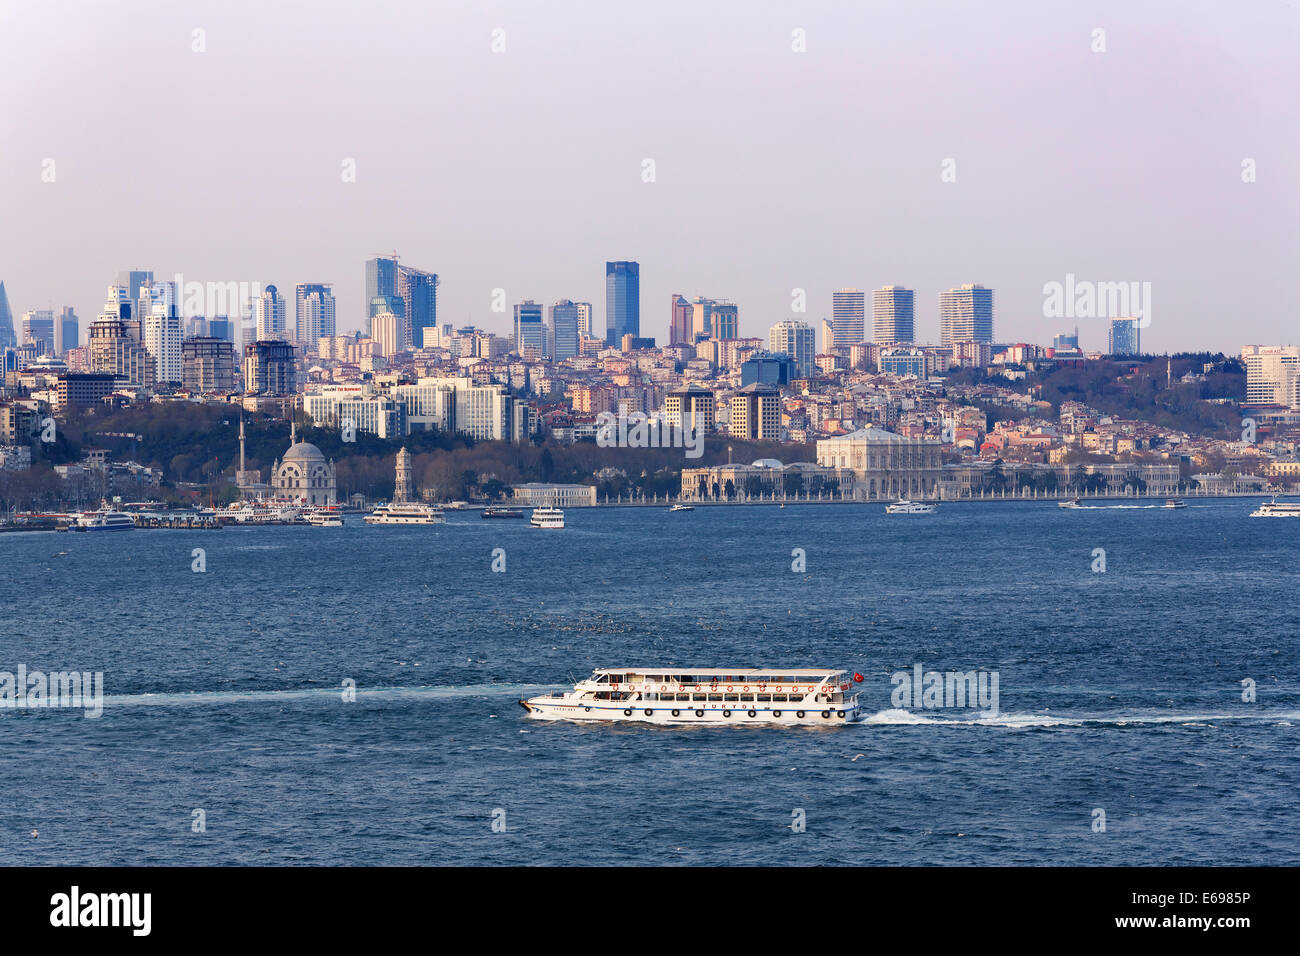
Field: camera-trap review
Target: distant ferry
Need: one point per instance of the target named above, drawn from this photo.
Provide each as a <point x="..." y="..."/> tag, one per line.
<point x="547" y="518"/>
<point x="726" y="696"/>
<point x="503" y="512"/>
<point x="262" y="512"/>
<point x="682" y="507"/>
<point x="904" y="507"/>
<point x="413" y="513"/>
<point x="105" y="519"/>
<point x="1277" y="509"/>
<point x="1175" y="503"/>
<point x="324" y="518"/>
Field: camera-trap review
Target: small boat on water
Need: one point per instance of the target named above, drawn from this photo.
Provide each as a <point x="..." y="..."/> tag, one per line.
<point x="1277" y="509"/>
<point x="722" y="697"/>
<point x="547" y="517"/>
<point x="494" y="512"/>
<point x="681" y="507"/>
<point x="409" y="513"/>
<point x="1072" y="503"/>
<point x="1174" y="503"/>
<point x="904" y="507"/>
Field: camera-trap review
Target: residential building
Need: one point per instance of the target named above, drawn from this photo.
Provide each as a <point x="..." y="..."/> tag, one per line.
<point x="966" y="314"/>
<point x="892" y="315"/>
<point x="848" y="319"/>
<point x="797" y="340"/>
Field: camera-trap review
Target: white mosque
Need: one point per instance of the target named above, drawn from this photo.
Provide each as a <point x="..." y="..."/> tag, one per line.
<point x="303" y="476"/>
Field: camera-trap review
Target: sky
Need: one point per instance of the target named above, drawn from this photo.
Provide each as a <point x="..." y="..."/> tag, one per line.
<point x="504" y="146"/>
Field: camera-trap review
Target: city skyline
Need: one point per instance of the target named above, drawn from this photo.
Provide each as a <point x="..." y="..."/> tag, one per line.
<point x="848" y="216"/>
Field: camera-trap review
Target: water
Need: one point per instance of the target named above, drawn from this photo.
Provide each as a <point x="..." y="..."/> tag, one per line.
<point x="1119" y="691"/>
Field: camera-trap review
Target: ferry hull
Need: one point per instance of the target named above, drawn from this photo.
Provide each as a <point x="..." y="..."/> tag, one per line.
<point x="554" y="708"/>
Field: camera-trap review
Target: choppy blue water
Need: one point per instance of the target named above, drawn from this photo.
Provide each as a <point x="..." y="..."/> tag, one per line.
<point x="1119" y="691"/>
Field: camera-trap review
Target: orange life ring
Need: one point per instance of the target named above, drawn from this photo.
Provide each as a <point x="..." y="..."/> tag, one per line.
<point x="745" y="689"/>
<point x="713" y="687"/>
<point x="762" y="688"/>
<point x="730" y="688"/>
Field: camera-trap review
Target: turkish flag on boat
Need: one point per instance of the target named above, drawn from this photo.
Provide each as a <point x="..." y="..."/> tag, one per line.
<point x="857" y="677"/>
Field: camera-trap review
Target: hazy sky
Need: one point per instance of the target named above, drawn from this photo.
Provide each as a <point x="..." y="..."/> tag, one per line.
<point x="774" y="170"/>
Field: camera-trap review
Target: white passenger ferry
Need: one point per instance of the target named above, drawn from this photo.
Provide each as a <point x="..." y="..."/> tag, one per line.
<point x="1277" y="509"/>
<point x="726" y="696"/>
<point x="547" y="518"/>
<point x="105" y="519"/>
<point x="323" y="518"/>
<point x="414" y="513"/>
<point x="904" y="507"/>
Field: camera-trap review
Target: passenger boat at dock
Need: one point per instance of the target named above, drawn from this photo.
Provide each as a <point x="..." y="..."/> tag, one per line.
<point x="717" y="696"/>
<point x="105" y="519"/>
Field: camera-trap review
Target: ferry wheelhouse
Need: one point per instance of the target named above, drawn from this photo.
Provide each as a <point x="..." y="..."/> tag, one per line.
<point x="726" y="696"/>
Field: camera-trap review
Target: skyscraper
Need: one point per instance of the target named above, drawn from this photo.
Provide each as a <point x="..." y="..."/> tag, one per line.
<point x="38" y="330"/>
<point x="966" y="315"/>
<point x="892" y="317"/>
<point x="381" y="277"/>
<point x="566" y="327"/>
<point x="1125" y="337"/>
<point x="585" y="313"/>
<point x="530" y="335"/>
<point x="419" y="292"/>
<point x="724" y="320"/>
<point x="389" y="332"/>
<point x="797" y="340"/>
<point x="7" y="337"/>
<point x="701" y="318"/>
<point x="679" y="324"/>
<point x="162" y="339"/>
<point x="622" y="301"/>
<point x="1272" y="375"/>
<point x="67" y="331"/>
<point x="848" y="319"/>
<point x="314" y="316"/>
<point x="270" y="316"/>
<point x="132" y="280"/>
<point x="388" y="281"/>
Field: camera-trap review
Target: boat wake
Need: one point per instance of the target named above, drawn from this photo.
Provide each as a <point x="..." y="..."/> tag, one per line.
<point x="220" y="698"/>
<point x="1014" y="721"/>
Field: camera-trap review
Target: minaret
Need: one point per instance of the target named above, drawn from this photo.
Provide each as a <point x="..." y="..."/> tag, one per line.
<point x="293" y="432"/>
<point x="241" y="444"/>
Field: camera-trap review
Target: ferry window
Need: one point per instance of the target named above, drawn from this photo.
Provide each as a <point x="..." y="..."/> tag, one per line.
<point x="683" y="696"/>
<point x="778" y="698"/>
<point x="732" y="697"/>
<point x="715" y="697"/>
<point x="764" y="698"/>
